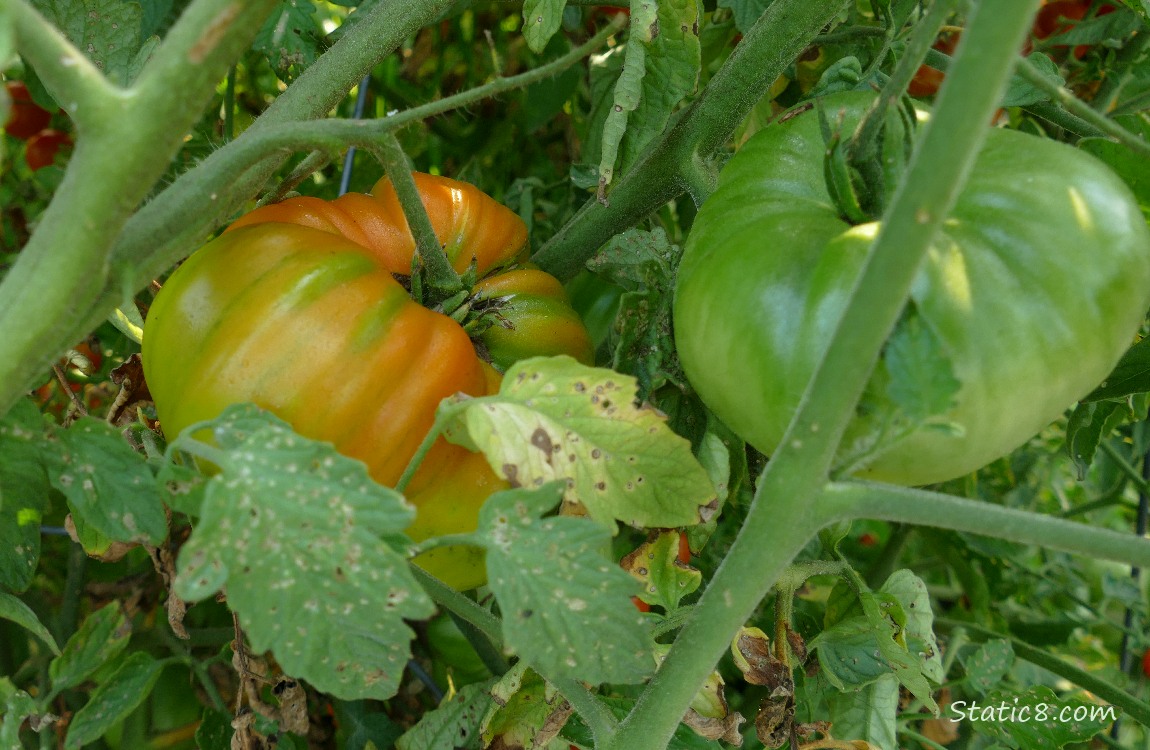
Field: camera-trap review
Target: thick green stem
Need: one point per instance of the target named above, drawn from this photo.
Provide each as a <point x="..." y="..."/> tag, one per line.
<point x="923" y="508"/>
<point x="64" y="282"/>
<point x="128" y="140"/>
<point x="71" y="78"/>
<point x="786" y="511"/>
<point x="775" y="41"/>
<point x="437" y="268"/>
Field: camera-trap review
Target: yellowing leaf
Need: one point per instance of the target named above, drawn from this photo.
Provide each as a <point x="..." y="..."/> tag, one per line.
<point x="555" y="419"/>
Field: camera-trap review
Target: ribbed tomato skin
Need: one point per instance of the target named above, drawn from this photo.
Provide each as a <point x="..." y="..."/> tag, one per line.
<point x="467" y="222"/>
<point x="296" y="308"/>
<point x="535" y="319"/>
<point x="305" y="324"/>
<point x="1034" y="287"/>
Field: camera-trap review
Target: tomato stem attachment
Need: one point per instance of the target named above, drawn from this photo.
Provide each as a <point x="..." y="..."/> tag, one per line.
<point x="438" y="275"/>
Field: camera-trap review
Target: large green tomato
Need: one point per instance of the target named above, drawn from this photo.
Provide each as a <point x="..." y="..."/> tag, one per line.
<point x="1033" y="289"/>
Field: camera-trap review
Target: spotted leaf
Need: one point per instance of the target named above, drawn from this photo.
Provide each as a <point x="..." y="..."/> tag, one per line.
<point x="554" y="419"/>
<point x="294" y="531"/>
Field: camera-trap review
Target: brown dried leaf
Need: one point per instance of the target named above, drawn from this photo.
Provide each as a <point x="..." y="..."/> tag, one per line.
<point x="725" y="729"/>
<point x="776" y="719"/>
<point x="754" y="658"/>
<point x="133" y="391"/>
<point x="293" y="706"/>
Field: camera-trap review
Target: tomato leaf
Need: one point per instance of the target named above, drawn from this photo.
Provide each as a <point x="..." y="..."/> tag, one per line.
<point x="294" y="531"/>
<point x="101" y="638"/>
<point x="17" y="707"/>
<point x="290" y="38"/>
<point x="541" y="19"/>
<point x="114" y="699"/>
<point x="628" y="91"/>
<point x="869" y="714"/>
<point x="1031" y="718"/>
<point x="673" y="60"/>
<point x="922" y="382"/>
<point x="566" y="607"/>
<point x="986" y="667"/>
<point x="745" y="12"/>
<point x="107" y="483"/>
<point x="16" y="611"/>
<point x="1088" y="426"/>
<point x="665" y="579"/>
<point x="556" y="419"/>
<point x="527" y="711"/>
<point x="455" y="723"/>
<point x="1020" y="93"/>
<point x="107" y="31"/>
<point x="637" y="260"/>
<point x="1130" y="376"/>
<point x="892" y="635"/>
<point x="23" y="487"/>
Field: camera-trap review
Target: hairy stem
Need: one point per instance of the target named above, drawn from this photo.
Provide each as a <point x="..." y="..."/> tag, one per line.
<point x="786" y="512"/>
<point x="668" y="166"/>
<point x="920" y="507"/>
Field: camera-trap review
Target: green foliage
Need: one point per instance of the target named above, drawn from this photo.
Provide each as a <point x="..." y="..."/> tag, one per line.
<point x="293" y="531"/>
<point x="240" y="564"/>
<point x="565" y="607"/>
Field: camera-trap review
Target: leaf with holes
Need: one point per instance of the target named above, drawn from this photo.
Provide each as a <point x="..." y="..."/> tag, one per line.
<point x="555" y="419"/>
<point x="666" y="579"/>
<point x="566" y="606"/>
<point x="23" y="488"/>
<point x="528" y="712"/>
<point x="107" y="483"/>
<point x="294" y="531"/>
<point x="455" y="723"/>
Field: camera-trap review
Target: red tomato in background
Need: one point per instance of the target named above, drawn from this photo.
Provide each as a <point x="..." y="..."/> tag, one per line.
<point x="1146" y="663"/>
<point x="927" y="80"/>
<point x="42" y="148"/>
<point x="26" y="118"/>
<point x="1058" y="17"/>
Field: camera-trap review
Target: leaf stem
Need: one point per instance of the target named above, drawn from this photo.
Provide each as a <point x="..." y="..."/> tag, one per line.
<point x="1130" y="706"/>
<point x="1124" y="466"/>
<point x="1081" y="109"/>
<point x="856" y="499"/>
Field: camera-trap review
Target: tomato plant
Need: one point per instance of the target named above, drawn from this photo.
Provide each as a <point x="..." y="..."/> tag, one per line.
<point x="1029" y="219"/>
<point x="25" y="118"/>
<point x="605" y="141"/>
<point x="365" y="366"/>
<point x="43" y="148"/>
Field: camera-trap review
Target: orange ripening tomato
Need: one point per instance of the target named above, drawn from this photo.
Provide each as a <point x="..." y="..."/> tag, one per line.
<point x="296" y="308"/>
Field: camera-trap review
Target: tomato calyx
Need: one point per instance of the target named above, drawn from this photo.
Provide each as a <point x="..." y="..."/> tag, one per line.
<point x="863" y="169"/>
